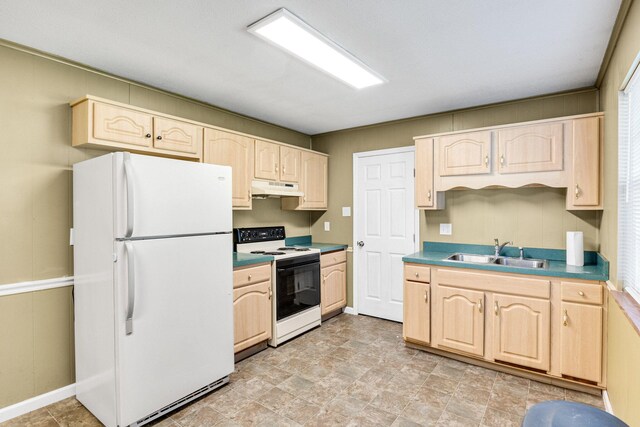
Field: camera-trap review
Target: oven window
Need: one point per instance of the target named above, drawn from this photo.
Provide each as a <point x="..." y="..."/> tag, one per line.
<point x="297" y="288"/>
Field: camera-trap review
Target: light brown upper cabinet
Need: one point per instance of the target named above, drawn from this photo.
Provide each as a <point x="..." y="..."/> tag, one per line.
<point x="584" y="190"/>
<point x="118" y="124"/>
<point x="537" y="148"/>
<point x="563" y="152"/>
<point x="230" y="149"/>
<point x="267" y="160"/>
<point x="275" y="162"/>
<point x="313" y="183"/>
<point x="110" y="125"/>
<point x="426" y="197"/>
<point x="464" y="154"/>
<point x="290" y="159"/>
<point x="174" y="135"/>
<point x="521" y="330"/>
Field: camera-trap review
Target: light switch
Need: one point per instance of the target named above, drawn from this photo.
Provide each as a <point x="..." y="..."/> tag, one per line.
<point x="346" y="211"/>
<point x="445" y="229"/>
<point x="327" y="226"/>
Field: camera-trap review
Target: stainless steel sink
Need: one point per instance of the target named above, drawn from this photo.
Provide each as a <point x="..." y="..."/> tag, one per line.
<point x="521" y="262"/>
<point x="502" y="260"/>
<point x="473" y="258"/>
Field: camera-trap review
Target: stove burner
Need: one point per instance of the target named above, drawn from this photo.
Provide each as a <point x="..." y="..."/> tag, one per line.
<point x="302" y="249"/>
<point x="274" y="253"/>
<point x="257" y="252"/>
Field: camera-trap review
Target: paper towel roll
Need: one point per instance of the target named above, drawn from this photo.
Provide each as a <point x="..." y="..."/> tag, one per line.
<point x="575" y="248"/>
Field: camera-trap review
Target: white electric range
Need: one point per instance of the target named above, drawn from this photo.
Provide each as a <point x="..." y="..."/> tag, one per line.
<point x="295" y="279"/>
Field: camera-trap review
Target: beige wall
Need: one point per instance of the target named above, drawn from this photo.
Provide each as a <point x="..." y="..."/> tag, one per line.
<point x="36" y="329"/>
<point x="502" y="213"/>
<point x="624" y="342"/>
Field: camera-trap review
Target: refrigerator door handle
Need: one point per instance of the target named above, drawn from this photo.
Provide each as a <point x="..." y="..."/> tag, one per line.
<point x="128" y="174"/>
<point x="131" y="287"/>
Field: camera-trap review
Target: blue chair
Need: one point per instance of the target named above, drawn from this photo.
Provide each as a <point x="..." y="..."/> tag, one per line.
<point x="559" y="413"/>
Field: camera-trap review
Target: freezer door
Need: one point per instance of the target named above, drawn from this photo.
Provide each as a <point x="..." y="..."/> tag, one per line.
<point x="166" y="197"/>
<point x="179" y="293"/>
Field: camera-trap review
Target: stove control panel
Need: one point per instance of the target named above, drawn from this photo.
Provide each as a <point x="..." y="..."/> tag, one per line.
<point x="258" y="234"/>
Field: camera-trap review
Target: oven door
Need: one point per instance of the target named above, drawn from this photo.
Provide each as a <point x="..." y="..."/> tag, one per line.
<point x="297" y="285"/>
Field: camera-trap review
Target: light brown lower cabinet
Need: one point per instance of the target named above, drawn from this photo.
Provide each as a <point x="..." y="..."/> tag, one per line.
<point x="549" y="326"/>
<point x="251" y="306"/>
<point x="460" y="319"/>
<point x="521" y="330"/>
<point x="417" y="312"/>
<point x="333" y="284"/>
<point x="581" y="336"/>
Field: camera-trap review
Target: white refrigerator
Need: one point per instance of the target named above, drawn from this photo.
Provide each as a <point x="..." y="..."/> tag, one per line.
<point x="153" y="284"/>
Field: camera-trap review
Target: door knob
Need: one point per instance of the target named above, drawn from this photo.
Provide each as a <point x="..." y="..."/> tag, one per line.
<point x="360" y="243"/>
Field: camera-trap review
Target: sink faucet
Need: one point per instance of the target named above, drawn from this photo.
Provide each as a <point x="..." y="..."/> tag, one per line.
<point x="499" y="246"/>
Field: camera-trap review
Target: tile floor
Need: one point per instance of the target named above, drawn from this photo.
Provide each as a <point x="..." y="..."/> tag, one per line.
<point x="356" y="371"/>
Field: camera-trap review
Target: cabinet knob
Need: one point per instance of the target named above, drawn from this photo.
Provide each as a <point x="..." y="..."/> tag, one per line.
<point x="581" y="293"/>
<point x="486" y="161"/>
<point x="429" y="195"/>
<point x="148" y="135"/>
<point x="248" y="194"/>
<point x="159" y="137"/>
<point x="426" y="296"/>
<point x="480" y="305"/>
<point x="577" y="191"/>
<point x="501" y="160"/>
<point x="496" y="308"/>
<point x="249" y="278"/>
<point x="565" y="318"/>
<point x="270" y="292"/>
<point x="417" y="275"/>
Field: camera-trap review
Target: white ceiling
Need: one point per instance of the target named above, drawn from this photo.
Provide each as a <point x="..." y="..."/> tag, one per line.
<point x="437" y="55"/>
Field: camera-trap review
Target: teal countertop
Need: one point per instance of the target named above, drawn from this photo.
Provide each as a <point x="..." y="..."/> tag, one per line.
<point x="305" y="241"/>
<point x="240" y="260"/>
<point x="435" y="253"/>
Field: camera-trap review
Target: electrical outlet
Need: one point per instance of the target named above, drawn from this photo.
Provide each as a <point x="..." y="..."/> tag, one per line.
<point x="327" y="226"/>
<point x="346" y="211"/>
<point x="446" y="229"/>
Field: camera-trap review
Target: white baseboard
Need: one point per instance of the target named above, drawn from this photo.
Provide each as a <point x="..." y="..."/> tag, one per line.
<point x="36" y="402"/>
<point x="350" y="310"/>
<point x="607" y="402"/>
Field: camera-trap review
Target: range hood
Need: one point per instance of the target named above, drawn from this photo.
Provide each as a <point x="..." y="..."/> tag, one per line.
<point x="264" y="189"/>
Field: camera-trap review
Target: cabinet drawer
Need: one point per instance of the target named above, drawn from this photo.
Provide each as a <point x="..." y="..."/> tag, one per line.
<point x="332" y="258"/>
<point x="501" y="283"/>
<point x="581" y="292"/>
<point x="248" y="275"/>
<point x="417" y="273"/>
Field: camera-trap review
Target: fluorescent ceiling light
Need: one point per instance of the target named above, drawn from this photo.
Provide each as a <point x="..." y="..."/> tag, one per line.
<point x="290" y="33"/>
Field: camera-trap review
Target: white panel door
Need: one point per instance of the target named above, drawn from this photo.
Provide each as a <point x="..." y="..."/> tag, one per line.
<point x="182" y="323"/>
<point x="386" y="223"/>
<point x="171" y="197"/>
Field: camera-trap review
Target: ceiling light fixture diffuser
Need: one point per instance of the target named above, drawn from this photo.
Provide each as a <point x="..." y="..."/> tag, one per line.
<point x="285" y="30"/>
